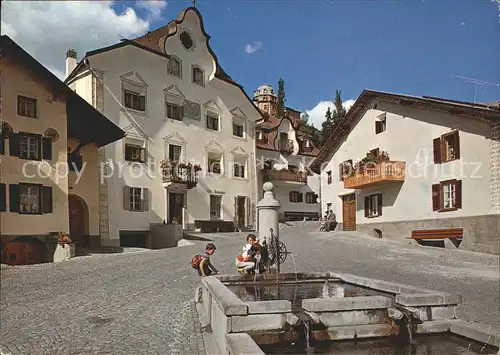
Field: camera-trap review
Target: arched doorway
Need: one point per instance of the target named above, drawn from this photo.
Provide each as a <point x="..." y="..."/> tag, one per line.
<point x="24" y="251"/>
<point x="78" y="221"/>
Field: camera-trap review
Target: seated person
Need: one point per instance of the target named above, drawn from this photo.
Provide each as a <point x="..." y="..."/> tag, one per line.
<point x="246" y="260"/>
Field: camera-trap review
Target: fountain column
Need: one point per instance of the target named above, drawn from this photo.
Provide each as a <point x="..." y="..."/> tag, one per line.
<point x="267" y="208"/>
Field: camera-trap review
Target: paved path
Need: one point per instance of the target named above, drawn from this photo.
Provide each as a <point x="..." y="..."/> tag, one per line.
<point x="138" y="303"/>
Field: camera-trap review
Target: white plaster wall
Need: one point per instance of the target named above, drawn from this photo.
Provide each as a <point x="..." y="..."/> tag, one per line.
<point x="154" y="127"/>
<point x="409" y="137"/>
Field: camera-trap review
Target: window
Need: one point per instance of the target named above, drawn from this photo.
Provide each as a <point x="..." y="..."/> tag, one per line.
<point x="293" y="168"/>
<point x="311" y="197"/>
<point x="260" y="136"/>
<point x="29" y="147"/>
<point x="447" y="147"/>
<point x="328" y="206"/>
<point x="135" y="153"/>
<point x="345" y="169"/>
<point x="214" y="163"/>
<point x="306" y="143"/>
<point x="239" y="168"/>
<point x="135" y="199"/>
<point x="198" y="76"/>
<point x="174" y="111"/>
<point x="174" y="67"/>
<point x="174" y="152"/>
<point x="29" y="197"/>
<point x="447" y="196"/>
<point x="237" y="129"/>
<point x="186" y="40"/>
<point x="212" y="121"/>
<point x="380" y="125"/>
<point x="373" y="205"/>
<point x="134" y="100"/>
<point x="296" y="197"/>
<point x="26" y="106"/>
<point x="215" y="206"/>
<point x="329" y="177"/>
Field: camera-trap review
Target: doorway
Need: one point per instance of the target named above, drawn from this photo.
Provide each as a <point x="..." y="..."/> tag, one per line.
<point x="24" y="251"/>
<point x="175" y="207"/>
<point x="78" y="220"/>
<point x="241" y="211"/>
<point x="349" y="212"/>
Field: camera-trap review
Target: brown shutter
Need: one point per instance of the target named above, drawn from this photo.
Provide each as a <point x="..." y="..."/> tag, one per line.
<point x="235" y="216"/>
<point x="14" y="145"/>
<point x="458" y="194"/>
<point x="379" y="197"/>
<point x="126" y="198"/>
<point x="458" y="145"/>
<point x="341" y="172"/>
<point x="437" y="150"/>
<point x="145" y="200"/>
<point x="46" y="148"/>
<point x="143" y="155"/>
<point x="3" y="198"/>
<point x="14" y="198"/>
<point x="46" y="199"/>
<point x="436" y="197"/>
<point x="2" y="144"/>
<point x="367" y="204"/>
<point x="290" y="196"/>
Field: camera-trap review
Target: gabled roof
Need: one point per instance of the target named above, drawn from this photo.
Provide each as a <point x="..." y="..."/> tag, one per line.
<point x="470" y="110"/>
<point x="151" y="43"/>
<point x="84" y="122"/>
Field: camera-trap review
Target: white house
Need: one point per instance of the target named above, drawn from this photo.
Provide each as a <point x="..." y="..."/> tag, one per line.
<point x="284" y="153"/>
<point x="182" y="113"/>
<point x="431" y="170"/>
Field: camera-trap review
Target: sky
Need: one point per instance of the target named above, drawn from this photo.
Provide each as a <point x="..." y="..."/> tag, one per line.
<point x="415" y="47"/>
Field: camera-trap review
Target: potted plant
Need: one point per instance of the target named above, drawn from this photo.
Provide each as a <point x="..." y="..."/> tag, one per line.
<point x="63" y="239"/>
<point x="196" y="167"/>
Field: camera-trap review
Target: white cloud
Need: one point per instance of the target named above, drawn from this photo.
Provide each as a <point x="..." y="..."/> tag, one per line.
<point x="253" y="47"/>
<point x="47" y="29"/>
<point x="317" y="114"/>
<point x="154" y="8"/>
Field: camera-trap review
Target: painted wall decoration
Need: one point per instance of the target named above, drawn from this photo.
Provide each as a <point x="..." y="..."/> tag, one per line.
<point x="192" y="110"/>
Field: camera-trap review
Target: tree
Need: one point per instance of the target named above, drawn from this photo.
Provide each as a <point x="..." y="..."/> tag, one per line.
<point x="280" y="105"/>
<point x="333" y="118"/>
<point x="340" y="110"/>
<point x="327" y="126"/>
<point x="310" y="130"/>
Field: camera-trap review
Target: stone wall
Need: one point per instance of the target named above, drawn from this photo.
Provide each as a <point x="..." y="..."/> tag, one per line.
<point x="495" y="169"/>
<point x="481" y="233"/>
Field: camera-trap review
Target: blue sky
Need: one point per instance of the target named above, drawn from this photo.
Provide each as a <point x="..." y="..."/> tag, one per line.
<point x="413" y="47"/>
<point x="404" y="46"/>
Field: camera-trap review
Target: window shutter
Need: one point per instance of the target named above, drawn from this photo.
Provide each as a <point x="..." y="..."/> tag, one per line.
<point x="379" y="212"/>
<point x="14" y="198"/>
<point x="14" y="145"/>
<point x="378" y="127"/>
<point x="2" y="144"/>
<point x="145" y="200"/>
<point x="436" y="143"/>
<point x="457" y="152"/>
<point x="242" y="171"/>
<point x="301" y="197"/>
<point x="143" y="155"/>
<point x="126" y="198"/>
<point x="290" y="194"/>
<point x="235" y="216"/>
<point x="3" y="198"/>
<point x="436" y="197"/>
<point x="341" y="171"/>
<point x="367" y="205"/>
<point x="46" y="148"/>
<point x="249" y="212"/>
<point x="142" y="102"/>
<point x="458" y="194"/>
<point x="47" y="199"/>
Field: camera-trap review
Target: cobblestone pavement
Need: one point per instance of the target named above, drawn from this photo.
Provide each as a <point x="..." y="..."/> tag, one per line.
<point x="140" y="303"/>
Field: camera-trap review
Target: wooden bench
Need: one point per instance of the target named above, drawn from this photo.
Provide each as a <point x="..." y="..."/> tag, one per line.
<point x="437" y="236"/>
<point x="300" y="216"/>
<point x="214" y="226"/>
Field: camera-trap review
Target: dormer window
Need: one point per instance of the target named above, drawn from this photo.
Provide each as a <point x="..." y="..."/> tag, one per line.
<point x="260" y="136"/>
<point x="306" y="143"/>
<point x="174" y="67"/>
<point x="198" y="76"/>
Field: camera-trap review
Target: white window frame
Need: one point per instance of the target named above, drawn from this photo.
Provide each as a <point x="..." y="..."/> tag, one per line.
<point x="175" y="58"/>
<point x="219" y="212"/>
<point x="136" y="197"/>
<point x="180" y="107"/>
<point x="136" y="141"/>
<point x="29" y="100"/>
<point x="241" y="161"/>
<point x="213" y="155"/>
<point x="30" y="147"/>
<point x="30" y="196"/>
<point x="449" y="197"/>
<point x="137" y="89"/>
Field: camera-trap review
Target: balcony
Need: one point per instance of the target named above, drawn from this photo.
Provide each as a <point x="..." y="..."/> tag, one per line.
<point x="285" y="175"/>
<point x="384" y="172"/>
<point x="179" y="175"/>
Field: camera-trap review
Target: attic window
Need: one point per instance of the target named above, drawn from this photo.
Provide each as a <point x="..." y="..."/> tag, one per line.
<point x="186" y="40"/>
<point x="307" y="143"/>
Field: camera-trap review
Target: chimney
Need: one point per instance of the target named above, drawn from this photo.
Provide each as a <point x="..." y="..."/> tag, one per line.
<point x="70" y="61"/>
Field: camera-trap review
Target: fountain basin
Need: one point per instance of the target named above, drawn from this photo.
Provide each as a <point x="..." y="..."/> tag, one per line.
<point x="243" y="312"/>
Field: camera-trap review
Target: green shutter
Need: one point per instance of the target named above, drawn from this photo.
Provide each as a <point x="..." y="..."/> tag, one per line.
<point x="47" y="199"/>
<point x="14" y="198"/>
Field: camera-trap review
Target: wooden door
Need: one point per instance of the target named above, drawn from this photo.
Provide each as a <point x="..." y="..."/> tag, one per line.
<point x="24" y="253"/>
<point x="175" y="207"/>
<point x="241" y="211"/>
<point x="76" y="219"/>
<point x="349" y="212"/>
